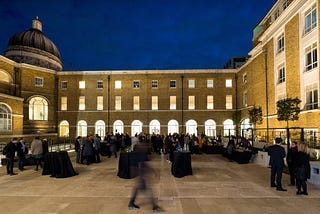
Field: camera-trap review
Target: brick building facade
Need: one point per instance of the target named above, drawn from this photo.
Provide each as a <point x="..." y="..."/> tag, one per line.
<point x="283" y="63"/>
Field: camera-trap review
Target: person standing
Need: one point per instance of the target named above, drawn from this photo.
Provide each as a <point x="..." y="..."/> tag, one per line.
<point x="22" y="150"/>
<point x="302" y="171"/>
<point x="88" y="150"/>
<point x="37" y="151"/>
<point x="11" y="149"/>
<point x="291" y="161"/>
<point x="96" y="145"/>
<point x="277" y="154"/>
<point x="77" y="148"/>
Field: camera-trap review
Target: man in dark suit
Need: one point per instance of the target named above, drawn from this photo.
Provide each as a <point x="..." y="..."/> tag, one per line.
<point x="277" y="154"/>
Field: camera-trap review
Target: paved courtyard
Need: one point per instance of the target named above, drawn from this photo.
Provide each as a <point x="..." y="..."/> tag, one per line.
<point x="216" y="186"/>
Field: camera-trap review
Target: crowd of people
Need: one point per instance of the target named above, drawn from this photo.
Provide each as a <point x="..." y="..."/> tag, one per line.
<point x="298" y="165"/>
<point x="17" y="148"/>
<point x="88" y="150"/>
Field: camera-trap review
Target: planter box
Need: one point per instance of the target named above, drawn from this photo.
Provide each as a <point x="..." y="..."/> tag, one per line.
<point x="262" y="158"/>
<point x="315" y="172"/>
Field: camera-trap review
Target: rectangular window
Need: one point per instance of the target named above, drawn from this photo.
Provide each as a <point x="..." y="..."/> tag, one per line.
<point x="38" y="81"/>
<point x="136" y="102"/>
<point x="245" y="99"/>
<point x="172" y="84"/>
<point x="64" y="103"/>
<point x="280" y="43"/>
<point x="154" y="84"/>
<point x="117" y="84"/>
<point x="228" y="101"/>
<point x="64" y="85"/>
<point x="276" y="14"/>
<point x="229" y="83"/>
<point x="117" y="102"/>
<point x="210" y="102"/>
<point x="311" y="97"/>
<point x="136" y="84"/>
<point x="311" y="57"/>
<point x="244" y="78"/>
<point x="191" y="84"/>
<point x="82" y="103"/>
<point x="173" y="103"/>
<point x="281" y="74"/>
<point x="310" y="19"/>
<point x="99" y="102"/>
<point x="100" y="84"/>
<point x="209" y="83"/>
<point x="154" y="103"/>
<point x="82" y="84"/>
<point x="191" y="102"/>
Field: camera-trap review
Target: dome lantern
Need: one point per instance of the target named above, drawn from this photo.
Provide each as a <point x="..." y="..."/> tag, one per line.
<point x="36" y="24"/>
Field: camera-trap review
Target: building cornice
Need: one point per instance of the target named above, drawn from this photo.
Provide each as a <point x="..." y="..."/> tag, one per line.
<point x="11" y="97"/>
<point x="119" y="72"/>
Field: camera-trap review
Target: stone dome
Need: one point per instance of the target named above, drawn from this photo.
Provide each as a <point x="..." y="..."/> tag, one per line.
<point x="33" y="47"/>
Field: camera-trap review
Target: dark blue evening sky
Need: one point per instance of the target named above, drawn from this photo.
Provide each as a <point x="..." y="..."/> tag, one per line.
<point x="139" y="34"/>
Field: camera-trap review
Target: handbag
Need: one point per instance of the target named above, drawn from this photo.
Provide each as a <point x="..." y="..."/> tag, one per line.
<point x="4" y="161"/>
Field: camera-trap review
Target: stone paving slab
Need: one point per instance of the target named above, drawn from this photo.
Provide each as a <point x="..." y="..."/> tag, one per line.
<point x="216" y="186"/>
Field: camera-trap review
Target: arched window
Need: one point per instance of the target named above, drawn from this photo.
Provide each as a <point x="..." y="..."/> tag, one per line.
<point x="64" y="129"/>
<point x="38" y="109"/>
<point x="154" y="127"/>
<point x="5" y="77"/>
<point x="82" y="128"/>
<point x="191" y="127"/>
<point x="5" y="118"/>
<point x="246" y="128"/>
<point x="136" y="127"/>
<point x="228" y="128"/>
<point x="100" y="128"/>
<point x="210" y="128"/>
<point x="173" y="127"/>
<point x="118" y="127"/>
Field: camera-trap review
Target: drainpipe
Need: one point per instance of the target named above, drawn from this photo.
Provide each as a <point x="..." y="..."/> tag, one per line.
<point x="182" y="99"/>
<point x="267" y="96"/>
<point x="109" y="99"/>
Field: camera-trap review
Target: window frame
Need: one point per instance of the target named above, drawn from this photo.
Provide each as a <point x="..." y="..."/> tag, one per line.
<point x="154" y="84"/>
<point x="136" y="84"/>
<point x="210" y="83"/>
<point x="64" y="85"/>
<point x="82" y="84"/>
<point x="311" y="57"/>
<point x="99" y="84"/>
<point x="281" y="74"/>
<point x="280" y="43"/>
<point x="191" y="83"/>
<point x="64" y="103"/>
<point x="82" y="105"/>
<point x="172" y="84"/>
<point x="228" y="83"/>
<point x="313" y="20"/>
<point x="38" y="81"/>
<point x="117" y="84"/>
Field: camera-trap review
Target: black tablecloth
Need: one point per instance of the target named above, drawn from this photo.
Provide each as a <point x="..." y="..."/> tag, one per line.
<point x="241" y="157"/>
<point x="212" y="149"/>
<point x="58" y="164"/>
<point x="105" y="149"/>
<point x="181" y="164"/>
<point x="128" y="163"/>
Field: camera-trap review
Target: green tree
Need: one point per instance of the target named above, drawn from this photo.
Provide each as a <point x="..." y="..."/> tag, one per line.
<point x="236" y="117"/>
<point x="288" y="109"/>
<point x="255" y="116"/>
